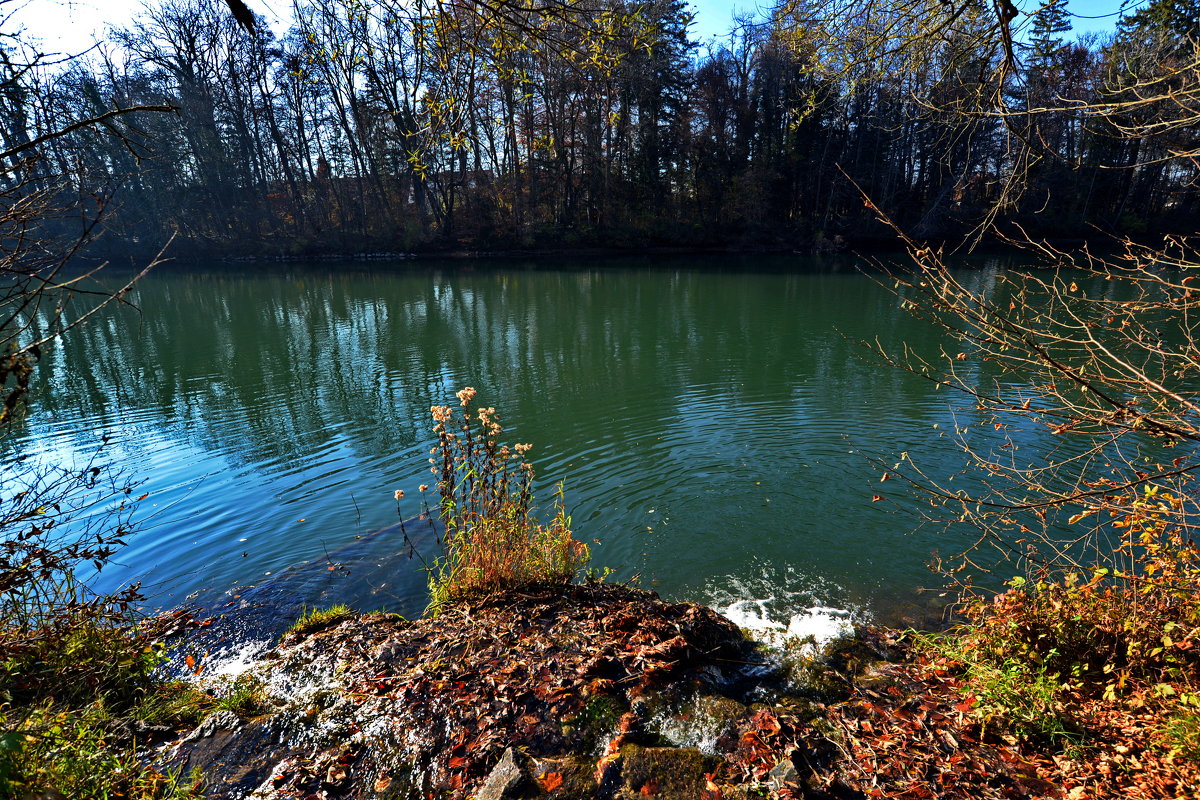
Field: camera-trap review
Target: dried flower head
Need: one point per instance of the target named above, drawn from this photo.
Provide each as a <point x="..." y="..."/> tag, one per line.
<point x="465" y="396"/>
<point x="424" y="487"/>
<point x="399" y="494"/>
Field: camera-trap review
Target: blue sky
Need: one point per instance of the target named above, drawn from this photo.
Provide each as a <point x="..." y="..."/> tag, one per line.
<point x="713" y="16"/>
<point x="70" y="25"/>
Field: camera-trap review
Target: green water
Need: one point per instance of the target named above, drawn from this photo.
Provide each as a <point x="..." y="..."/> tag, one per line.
<point x="712" y="421"/>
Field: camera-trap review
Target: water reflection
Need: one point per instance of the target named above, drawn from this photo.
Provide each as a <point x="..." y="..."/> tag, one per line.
<point x="706" y="422"/>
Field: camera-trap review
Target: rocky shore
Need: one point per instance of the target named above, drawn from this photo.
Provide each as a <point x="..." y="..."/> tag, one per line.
<point x="591" y="691"/>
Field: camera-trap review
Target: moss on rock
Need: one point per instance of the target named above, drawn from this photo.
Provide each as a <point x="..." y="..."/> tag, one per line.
<point x="669" y="773"/>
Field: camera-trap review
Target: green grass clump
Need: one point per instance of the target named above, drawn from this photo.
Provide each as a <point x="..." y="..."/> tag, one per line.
<point x="1015" y="696"/>
<point x="493" y="541"/>
<point x="1180" y="733"/>
<point x="246" y="697"/>
<point x="316" y="619"/>
<point x="175" y="702"/>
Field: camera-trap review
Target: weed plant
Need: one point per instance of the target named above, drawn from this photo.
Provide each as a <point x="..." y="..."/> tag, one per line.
<point x="246" y="697"/>
<point x="492" y="539"/>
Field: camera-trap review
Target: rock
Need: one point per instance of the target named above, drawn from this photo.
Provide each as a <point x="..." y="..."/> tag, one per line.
<point x="234" y="757"/>
<point x="669" y="773"/>
<point x="213" y="724"/>
<point x="784" y="774"/>
<point x="373" y="708"/>
<point x="568" y="777"/>
<point x="506" y="779"/>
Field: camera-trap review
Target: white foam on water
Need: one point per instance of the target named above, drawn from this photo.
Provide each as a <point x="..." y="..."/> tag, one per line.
<point x="816" y="627"/>
<point x="697" y="731"/>
<point x="782" y="607"/>
<point x="811" y="628"/>
<point x="752" y="615"/>
<point x="235" y="660"/>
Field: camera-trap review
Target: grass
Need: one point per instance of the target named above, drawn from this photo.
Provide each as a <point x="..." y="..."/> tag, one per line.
<point x="175" y="702"/>
<point x="1015" y="696"/>
<point x="1180" y="732"/>
<point x="493" y="540"/>
<point x="246" y="697"/>
<point x="316" y="619"/>
<point x="51" y="752"/>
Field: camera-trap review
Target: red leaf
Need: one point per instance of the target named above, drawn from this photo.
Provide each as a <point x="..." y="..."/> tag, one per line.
<point x="551" y="781"/>
<point x="649" y="788"/>
<point x="766" y="722"/>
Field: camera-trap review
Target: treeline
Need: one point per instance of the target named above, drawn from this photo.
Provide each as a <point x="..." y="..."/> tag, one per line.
<point x="407" y="124"/>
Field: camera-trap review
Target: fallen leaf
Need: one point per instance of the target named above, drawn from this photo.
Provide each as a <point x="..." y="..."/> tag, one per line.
<point x="551" y="781"/>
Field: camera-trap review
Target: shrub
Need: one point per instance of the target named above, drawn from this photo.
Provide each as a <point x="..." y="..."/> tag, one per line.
<point x="492" y="539"/>
<point x="74" y="665"/>
<point x="1126" y="635"/>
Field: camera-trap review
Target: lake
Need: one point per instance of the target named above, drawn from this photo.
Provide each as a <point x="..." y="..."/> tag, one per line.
<point x="712" y="420"/>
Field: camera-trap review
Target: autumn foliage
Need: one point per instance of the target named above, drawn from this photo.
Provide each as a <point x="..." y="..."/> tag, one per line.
<point x="1095" y="673"/>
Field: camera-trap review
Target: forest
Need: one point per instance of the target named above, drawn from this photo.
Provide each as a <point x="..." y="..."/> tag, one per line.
<point x="402" y="126"/>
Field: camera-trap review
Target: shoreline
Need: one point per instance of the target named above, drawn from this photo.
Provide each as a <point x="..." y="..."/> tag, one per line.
<point x="582" y="691"/>
<point x="847" y="249"/>
<point x="587" y="690"/>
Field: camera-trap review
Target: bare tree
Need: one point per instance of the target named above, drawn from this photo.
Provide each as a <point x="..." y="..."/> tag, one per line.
<point x="44" y="225"/>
